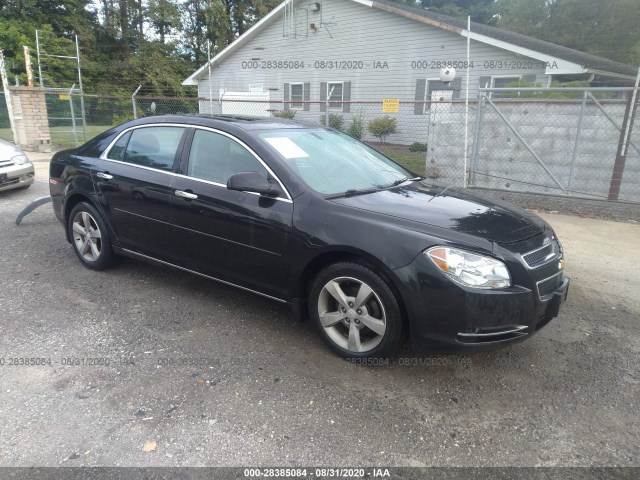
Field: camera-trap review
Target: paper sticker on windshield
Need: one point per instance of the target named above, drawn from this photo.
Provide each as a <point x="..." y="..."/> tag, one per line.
<point x="286" y="147"/>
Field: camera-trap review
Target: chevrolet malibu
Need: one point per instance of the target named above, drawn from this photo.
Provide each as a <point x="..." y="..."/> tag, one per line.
<point x="368" y="251"/>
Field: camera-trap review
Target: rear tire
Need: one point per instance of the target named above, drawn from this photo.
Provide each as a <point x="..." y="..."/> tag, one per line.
<point x="89" y="237"/>
<point x="355" y="312"/>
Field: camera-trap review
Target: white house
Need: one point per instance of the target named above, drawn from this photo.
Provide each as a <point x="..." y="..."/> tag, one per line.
<point x="336" y="51"/>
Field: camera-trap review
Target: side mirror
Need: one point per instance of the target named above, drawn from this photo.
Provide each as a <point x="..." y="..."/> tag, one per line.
<point x="252" y="182"/>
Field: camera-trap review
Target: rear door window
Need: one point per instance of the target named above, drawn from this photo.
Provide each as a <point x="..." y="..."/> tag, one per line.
<point x="153" y="147"/>
<point x="118" y="149"/>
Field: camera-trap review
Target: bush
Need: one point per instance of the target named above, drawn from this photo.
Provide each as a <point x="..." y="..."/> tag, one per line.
<point x="418" y="147"/>
<point x="356" y="128"/>
<point x="288" y="114"/>
<point x="383" y="127"/>
<point x="336" y="121"/>
<point x="323" y="120"/>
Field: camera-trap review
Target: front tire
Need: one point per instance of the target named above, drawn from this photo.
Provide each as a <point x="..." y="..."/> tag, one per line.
<point x="355" y="312"/>
<point x="89" y="237"/>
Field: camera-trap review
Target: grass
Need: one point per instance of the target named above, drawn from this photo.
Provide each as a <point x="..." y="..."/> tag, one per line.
<point x="414" y="161"/>
<point x="62" y="137"/>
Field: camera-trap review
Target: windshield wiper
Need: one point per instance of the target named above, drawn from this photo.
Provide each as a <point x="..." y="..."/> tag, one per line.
<point x="402" y="180"/>
<point x="352" y="191"/>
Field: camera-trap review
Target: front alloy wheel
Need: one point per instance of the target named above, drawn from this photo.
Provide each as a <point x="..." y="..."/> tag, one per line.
<point x="352" y="314"/>
<point x="355" y="311"/>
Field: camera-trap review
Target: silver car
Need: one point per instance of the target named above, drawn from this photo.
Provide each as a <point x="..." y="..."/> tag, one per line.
<point x="16" y="170"/>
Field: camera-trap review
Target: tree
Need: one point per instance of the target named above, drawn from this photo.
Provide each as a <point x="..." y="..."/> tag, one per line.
<point x="482" y="11"/>
<point x="164" y="17"/>
<point x="606" y="29"/>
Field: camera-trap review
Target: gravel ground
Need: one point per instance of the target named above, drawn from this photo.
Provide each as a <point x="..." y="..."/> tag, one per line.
<point x="260" y="389"/>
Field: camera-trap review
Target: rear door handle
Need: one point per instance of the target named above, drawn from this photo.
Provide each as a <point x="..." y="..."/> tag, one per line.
<point x="103" y="175"/>
<point x="187" y="195"/>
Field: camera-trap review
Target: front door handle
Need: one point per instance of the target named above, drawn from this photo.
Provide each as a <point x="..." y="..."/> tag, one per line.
<point x="103" y="175"/>
<point x="187" y="195"/>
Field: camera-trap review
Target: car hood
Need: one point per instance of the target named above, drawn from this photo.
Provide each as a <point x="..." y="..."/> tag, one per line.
<point x="8" y="150"/>
<point x="452" y="208"/>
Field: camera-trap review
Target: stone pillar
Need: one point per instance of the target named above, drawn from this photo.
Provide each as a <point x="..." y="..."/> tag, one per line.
<point x="31" y="119"/>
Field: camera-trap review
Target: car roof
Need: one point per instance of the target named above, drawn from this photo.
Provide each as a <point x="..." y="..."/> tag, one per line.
<point x="220" y="121"/>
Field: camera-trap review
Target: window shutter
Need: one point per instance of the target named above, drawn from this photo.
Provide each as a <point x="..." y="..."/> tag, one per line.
<point x="421" y="87"/>
<point x="530" y="79"/>
<point x="287" y="96"/>
<point x="456" y="85"/>
<point x="307" y="97"/>
<point x="323" y="97"/>
<point x="346" y="96"/>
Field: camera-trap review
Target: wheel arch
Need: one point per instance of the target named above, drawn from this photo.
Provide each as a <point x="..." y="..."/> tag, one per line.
<point x="346" y="254"/>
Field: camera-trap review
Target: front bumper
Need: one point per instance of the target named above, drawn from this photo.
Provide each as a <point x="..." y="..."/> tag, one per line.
<point x="16" y="176"/>
<point x="446" y="317"/>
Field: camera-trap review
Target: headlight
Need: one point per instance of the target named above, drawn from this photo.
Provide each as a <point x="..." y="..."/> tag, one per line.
<point x="470" y="269"/>
<point x="20" y="159"/>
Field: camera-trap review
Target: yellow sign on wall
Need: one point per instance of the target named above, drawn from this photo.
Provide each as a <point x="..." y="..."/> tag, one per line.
<point x="390" y="105"/>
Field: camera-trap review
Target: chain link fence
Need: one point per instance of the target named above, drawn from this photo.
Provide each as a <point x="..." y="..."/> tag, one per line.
<point x="582" y="143"/>
<point x="575" y="143"/>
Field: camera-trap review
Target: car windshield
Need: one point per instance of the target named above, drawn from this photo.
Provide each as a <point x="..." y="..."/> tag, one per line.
<point x="333" y="163"/>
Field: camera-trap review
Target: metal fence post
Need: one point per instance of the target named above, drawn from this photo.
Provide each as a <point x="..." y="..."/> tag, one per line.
<point x="84" y="117"/>
<point x="477" y="133"/>
<point x="583" y="108"/>
<point x="73" y="116"/>
<point x="134" y="103"/>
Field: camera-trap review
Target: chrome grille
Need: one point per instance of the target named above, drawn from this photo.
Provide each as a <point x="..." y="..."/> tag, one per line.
<point x="540" y="256"/>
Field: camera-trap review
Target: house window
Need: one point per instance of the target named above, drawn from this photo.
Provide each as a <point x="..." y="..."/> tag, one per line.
<point x="433" y="85"/>
<point x="297" y="96"/>
<point x="335" y="94"/>
<point x="503" y="82"/>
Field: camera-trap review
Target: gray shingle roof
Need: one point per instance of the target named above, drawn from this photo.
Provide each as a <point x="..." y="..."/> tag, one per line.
<point x="581" y="58"/>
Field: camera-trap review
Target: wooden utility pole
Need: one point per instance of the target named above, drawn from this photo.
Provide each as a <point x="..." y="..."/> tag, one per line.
<point x="27" y="64"/>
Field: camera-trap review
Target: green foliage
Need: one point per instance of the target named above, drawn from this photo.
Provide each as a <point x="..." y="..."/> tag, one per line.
<point x="522" y="83"/>
<point x="124" y="43"/>
<point x="606" y="29"/>
<point x="356" y="128"/>
<point x="383" y="127"/>
<point x="164" y="17"/>
<point x="482" y="11"/>
<point x="418" y="147"/>
<point x="547" y="94"/>
<point x="336" y="121"/>
<point x="288" y="114"/>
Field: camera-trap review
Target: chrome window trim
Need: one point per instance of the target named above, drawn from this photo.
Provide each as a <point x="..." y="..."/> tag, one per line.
<point x="105" y="156"/>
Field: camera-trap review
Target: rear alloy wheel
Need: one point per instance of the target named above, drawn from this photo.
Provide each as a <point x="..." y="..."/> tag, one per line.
<point x="89" y="237"/>
<point x="355" y="312"/>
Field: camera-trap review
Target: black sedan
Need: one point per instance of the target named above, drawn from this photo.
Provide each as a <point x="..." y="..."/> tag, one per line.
<point x="308" y="216"/>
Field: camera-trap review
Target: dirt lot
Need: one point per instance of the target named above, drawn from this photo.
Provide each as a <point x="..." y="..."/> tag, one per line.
<point x="215" y="376"/>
